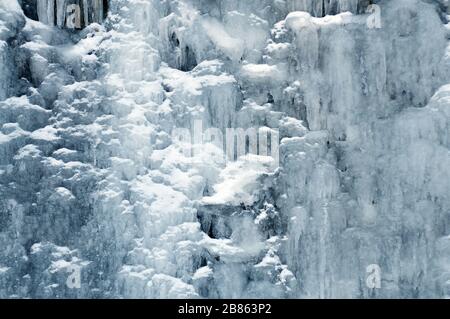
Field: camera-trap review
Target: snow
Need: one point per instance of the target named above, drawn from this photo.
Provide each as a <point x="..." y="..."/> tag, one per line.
<point x="92" y="175"/>
<point x="91" y="11"/>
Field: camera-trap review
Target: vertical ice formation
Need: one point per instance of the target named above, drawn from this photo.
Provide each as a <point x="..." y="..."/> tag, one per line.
<point x="11" y="21"/>
<point x="91" y="179"/>
<point x="56" y="12"/>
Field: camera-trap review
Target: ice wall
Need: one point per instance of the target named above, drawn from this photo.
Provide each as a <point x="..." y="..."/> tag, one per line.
<point x="92" y="180"/>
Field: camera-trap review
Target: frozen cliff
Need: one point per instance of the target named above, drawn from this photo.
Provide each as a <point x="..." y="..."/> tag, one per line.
<point x="100" y="199"/>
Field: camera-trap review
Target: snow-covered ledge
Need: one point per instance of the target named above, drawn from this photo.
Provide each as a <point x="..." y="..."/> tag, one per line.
<point x="71" y="13"/>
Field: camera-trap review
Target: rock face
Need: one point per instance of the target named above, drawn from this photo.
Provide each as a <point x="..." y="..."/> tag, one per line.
<point x="98" y="197"/>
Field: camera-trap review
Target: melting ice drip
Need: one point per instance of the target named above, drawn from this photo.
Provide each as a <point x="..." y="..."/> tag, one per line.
<point x="74" y="13"/>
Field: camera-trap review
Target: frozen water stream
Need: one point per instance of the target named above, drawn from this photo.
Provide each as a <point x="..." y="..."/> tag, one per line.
<point x="92" y="181"/>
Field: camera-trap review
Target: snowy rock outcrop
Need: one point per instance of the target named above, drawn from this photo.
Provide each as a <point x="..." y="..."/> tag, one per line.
<point x="99" y="197"/>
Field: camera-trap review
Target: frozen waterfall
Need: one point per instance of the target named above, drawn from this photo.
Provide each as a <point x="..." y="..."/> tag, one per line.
<point x="95" y="186"/>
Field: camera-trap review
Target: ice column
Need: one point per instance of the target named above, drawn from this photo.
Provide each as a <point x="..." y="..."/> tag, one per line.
<point x="56" y="12"/>
<point x="327" y="7"/>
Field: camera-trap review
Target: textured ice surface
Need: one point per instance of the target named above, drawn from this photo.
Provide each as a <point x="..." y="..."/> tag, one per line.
<point x="92" y="182"/>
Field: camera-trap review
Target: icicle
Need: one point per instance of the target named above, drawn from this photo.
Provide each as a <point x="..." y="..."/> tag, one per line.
<point x="55" y="12"/>
<point x="46" y="11"/>
<point x="61" y="12"/>
<point x="97" y="10"/>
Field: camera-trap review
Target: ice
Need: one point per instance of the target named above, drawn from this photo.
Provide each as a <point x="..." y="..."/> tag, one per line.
<point x="46" y="11"/>
<point x="262" y="73"/>
<point x="93" y="178"/>
<point x="239" y="181"/>
<point x="57" y="12"/>
<point x="11" y="21"/>
<point x="232" y="47"/>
